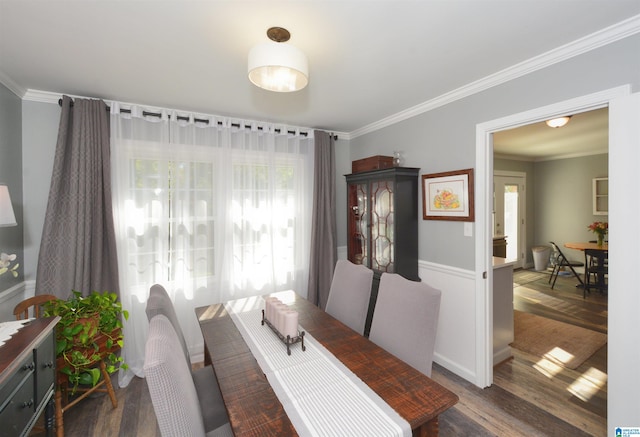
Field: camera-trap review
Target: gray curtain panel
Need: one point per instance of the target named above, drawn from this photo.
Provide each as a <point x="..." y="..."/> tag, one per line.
<point x="324" y="252"/>
<point x="78" y="248"/>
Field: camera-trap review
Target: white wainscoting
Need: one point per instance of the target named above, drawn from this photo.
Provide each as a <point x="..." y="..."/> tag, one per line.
<point x="11" y="297"/>
<point x="456" y="339"/>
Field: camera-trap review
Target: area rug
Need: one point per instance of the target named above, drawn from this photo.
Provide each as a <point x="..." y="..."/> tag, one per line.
<point x="562" y="343"/>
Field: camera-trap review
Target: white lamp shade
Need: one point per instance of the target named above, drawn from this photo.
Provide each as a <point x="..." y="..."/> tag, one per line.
<point x="278" y="67"/>
<point x="7" y="217"/>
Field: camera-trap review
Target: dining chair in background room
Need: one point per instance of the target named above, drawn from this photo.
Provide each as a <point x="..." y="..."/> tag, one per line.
<point x="560" y="262"/>
<point x="596" y="270"/>
<point x="349" y="294"/>
<point x="204" y="378"/>
<point x="405" y="320"/>
<point x="173" y="393"/>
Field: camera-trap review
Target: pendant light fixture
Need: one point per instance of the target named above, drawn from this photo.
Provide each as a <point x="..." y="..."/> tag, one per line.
<point x="558" y="122"/>
<point x="276" y="66"/>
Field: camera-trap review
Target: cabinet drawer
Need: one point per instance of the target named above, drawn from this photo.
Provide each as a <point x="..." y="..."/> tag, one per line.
<point x="45" y="357"/>
<point x="25" y="369"/>
<point x="19" y="409"/>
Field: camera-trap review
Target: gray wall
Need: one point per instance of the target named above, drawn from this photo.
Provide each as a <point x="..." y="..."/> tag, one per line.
<point x="39" y="135"/>
<point x="444" y="139"/>
<point x="563" y="200"/>
<point x="558" y="197"/>
<point x="11" y="174"/>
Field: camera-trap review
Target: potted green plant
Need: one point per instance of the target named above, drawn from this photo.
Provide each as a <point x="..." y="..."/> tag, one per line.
<point x="89" y="330"/>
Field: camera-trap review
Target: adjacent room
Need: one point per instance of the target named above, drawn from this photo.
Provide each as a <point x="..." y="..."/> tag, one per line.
<point x="318" y="218"/>
<point x="559" y="327"/>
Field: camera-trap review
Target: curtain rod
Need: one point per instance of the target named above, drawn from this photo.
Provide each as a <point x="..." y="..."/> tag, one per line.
<point x="199" y="120"/>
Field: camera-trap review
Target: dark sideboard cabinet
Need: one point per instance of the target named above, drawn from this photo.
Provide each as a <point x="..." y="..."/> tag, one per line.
<point x="27" y="378"/>
<point x="382" y="224"/>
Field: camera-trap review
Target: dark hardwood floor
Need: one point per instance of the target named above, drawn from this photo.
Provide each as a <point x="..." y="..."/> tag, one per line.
<point x="526" y="399"/>
<point x="530" y="397"/>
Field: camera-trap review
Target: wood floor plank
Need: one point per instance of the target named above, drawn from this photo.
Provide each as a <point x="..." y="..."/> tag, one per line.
<point x="499" y="412"/>
<point x="523" y="381"/>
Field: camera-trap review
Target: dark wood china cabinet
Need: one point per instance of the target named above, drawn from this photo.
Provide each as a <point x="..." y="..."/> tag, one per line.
<point x="382" y="224"/>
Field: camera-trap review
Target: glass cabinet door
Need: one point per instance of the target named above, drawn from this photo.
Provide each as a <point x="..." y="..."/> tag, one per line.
<point x="358" y="224"/>
<point x="382" y="226"/>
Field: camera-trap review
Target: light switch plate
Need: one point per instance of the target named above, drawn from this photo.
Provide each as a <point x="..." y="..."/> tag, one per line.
<point x="468" y="229"/>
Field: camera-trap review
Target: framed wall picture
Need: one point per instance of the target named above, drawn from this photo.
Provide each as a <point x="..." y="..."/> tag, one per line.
<point x="448" y="196"/>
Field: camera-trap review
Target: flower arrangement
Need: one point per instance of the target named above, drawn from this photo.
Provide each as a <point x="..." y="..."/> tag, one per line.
<point x="600" y="229"/>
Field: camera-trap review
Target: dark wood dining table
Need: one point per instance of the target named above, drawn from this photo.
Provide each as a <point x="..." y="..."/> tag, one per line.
<point x="602" y="250"/>
<point x="254" y="408"/>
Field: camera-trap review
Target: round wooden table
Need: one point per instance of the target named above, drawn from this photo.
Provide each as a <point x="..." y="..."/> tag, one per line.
<point x="586" y="245"/>
<point x="601" y="283"/>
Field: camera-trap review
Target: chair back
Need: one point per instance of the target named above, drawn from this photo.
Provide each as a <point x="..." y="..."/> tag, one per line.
<point x="405" y="320"/>
<point x="213" y="412"/>
<point x="596" y="270"/>
<point x="168" y="375"/>
<point x="559" y="258"/>
<point x="595" y="256"/>
<point x="159" y="302"/>
<point x="349" y="294"/>
<point x="21" y="311"/>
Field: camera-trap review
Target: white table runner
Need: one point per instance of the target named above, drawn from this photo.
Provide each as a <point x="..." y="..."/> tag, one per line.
<point x="321" y="396"/>
<point x="7" y="329"/>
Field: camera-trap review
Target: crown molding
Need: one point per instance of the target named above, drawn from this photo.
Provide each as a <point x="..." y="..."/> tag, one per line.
<point x="11" y="85"/>
<point x="42" y="96"/>
<point x="593" y="41"/>
<point x="549" y="158"/>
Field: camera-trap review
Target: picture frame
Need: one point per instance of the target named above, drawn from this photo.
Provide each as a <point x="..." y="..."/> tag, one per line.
<point x="448" y="196"/>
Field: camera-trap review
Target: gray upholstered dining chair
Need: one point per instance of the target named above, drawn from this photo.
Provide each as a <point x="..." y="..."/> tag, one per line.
<point x="405" y="320"/>
<point x="173" y="393"/>
<point x="204" y="378"/>
<point x="349" y="294"/>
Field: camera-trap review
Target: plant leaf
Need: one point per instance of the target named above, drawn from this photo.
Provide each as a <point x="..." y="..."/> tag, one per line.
<point x="95" y="373"/>
<point x="61" y="346"/>
<point x="76" y="329"/>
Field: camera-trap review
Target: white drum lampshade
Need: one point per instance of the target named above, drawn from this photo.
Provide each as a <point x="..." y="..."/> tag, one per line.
<point x="276" y="66"/>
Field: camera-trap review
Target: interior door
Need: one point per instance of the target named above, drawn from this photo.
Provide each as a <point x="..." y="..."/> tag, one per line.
<point x="508" y="214"/>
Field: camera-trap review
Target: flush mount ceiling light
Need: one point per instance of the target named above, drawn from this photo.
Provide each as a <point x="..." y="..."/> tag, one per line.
<point x="558" y="122"/>
<point x="276" y="66"/>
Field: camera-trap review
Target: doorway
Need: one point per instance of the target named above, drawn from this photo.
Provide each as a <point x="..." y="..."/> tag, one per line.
<point x="563" y="308"/>
<point x="509" y="213"/>
<point x="621" y="127"/>
<point x="624" y="134"/>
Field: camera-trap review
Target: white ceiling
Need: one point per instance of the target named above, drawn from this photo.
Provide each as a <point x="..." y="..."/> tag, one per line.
<point x="586" y="133"/>
<point x="369" y="60"/>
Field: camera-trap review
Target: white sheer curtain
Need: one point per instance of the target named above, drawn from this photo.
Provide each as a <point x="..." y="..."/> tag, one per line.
<point x="210" y="210"/>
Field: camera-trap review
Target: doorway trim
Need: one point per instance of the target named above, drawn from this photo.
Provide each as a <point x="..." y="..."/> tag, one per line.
<point x="483" y="193"/>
